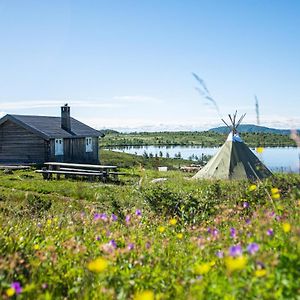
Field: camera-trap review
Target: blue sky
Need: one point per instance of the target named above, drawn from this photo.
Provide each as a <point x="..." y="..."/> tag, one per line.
<point x="127" y="64"/>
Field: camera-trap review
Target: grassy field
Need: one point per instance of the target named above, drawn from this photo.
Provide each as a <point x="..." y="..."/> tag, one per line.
<point x="178" y="239"/>
<point x="203" y="138"/>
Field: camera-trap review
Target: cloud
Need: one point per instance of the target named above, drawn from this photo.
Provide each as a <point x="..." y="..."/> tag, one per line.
<point x="137" y="98"/>
<point x="20" y="105"/>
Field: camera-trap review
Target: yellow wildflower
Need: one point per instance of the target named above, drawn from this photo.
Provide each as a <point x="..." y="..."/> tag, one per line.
<point x="145" y="295"/>
<point x="179" y="235"/>
<point x="260" y="149"/>
<point x="235" y="264"/>
<point x="98" y="265"/>
<point x="161" y="229"/>
<point x="10" y="292"/>
<point x="286" y="227"/>
<point x="260" y="273"/>
<point x="252" y="187"/>
<point x="173" y="222"/>
<point x="275" y="193"/>
<point x="49" y="221"/>
<point x="201" y="269"/>
<point x="36" y="247"/>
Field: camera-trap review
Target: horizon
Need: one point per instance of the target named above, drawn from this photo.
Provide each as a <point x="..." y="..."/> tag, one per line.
<point x="127" y="65"/>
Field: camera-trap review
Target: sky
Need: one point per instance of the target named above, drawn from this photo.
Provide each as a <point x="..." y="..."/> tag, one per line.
<point x="128" y="64"/>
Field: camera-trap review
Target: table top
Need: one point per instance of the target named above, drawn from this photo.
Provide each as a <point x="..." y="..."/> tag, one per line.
<point x="55" y="163"/>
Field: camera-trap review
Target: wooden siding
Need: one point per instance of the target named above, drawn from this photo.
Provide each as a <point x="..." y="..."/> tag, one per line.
<point x="20" y="145"/>
<point x="74" y="151"/>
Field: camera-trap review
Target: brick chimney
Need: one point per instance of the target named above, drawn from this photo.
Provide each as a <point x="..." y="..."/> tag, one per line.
<point x="65" y="118"/>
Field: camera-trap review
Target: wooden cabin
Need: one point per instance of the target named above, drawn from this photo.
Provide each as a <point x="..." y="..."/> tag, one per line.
<point x="37" y="139"/>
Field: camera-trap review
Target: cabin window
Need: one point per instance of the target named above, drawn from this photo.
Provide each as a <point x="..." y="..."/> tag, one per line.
<point x="88" y="144"/>
<point x="59" y="146"/>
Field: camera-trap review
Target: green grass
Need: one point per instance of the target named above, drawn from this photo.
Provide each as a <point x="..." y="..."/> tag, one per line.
<point x="203" y="138"/>
<point x="51" y="230"/>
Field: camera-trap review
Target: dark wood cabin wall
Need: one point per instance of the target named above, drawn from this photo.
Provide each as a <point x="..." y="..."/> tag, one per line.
<point x="20" y="145"/>
<point x="74" y="151"/>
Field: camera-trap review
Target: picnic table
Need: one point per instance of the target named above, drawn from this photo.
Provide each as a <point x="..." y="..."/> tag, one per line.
<point x="75" y="170"/>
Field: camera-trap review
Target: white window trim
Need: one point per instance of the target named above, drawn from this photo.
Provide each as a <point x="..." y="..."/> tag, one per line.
<point x="88" y="144"/>
<point x="59" y="150"/>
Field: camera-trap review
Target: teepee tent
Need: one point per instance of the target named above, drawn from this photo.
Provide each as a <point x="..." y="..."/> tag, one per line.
<point x="234" y="160"/>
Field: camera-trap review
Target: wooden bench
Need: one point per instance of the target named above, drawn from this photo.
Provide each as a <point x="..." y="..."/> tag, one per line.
<point x="102" y="172"/>
<point x="47" y="174"/>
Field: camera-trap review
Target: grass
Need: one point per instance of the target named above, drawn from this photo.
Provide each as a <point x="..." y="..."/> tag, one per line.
<point x="179" y="239"/>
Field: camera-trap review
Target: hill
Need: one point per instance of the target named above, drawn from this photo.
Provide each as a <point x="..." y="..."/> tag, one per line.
<point x="250" y="128"/>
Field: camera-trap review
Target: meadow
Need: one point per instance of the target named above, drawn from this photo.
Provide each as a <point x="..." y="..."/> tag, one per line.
<point x="177" y="239"/>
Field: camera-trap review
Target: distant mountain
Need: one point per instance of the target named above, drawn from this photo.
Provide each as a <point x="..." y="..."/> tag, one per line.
<point x="252" y="128"/>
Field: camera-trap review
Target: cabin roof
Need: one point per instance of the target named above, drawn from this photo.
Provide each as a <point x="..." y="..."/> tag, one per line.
<point x="50" y="127"/>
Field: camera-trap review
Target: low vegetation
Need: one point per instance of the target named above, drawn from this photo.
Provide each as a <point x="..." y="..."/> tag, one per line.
<point x="177" y="239"/>
<point x="203" y="138"/>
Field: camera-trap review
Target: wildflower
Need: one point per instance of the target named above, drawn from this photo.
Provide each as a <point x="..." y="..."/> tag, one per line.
<point x="96" y="216"/>
<point x="130" y="246"/>
<point x="246" y="204"/>
<point x="148" y="245"/>
<point x="252" y="187"/>
<point x="173" y="221"/>
<point x="286" y="227"/>
<point x="270" y="231"/>
<point x="161" y="229"/>
<point x="201" y="269"/>
<point x="179" y="235"/>
<point x="127" y="219"/>
<point x="235" y="264"/>
<point x="220" y="254"/>
<point x="235" y="251"/>
<point x="252" y="248"/>
<point x="17" y="287"/>
<point x="138" y="212"/>
<point x="114" y="217"/>
<point x="260" y="273"/>
<point x="103" y="217"/>
<point x="145" y="295"/>
<point x="259" y="149"/>
<point x="232" y="232"/>
<point x="36" y="247"/>
<point x="49" y="221"/>
<point x="44" y="286"/>
<point x="97" y="238"/>
<point x="113" y="244"/>
<point x="275" y="193"/>
<point x="98" y="265"/>
<point x="10" y="292"/>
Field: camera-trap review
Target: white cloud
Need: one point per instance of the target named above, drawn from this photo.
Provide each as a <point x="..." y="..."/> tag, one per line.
<point x="137" y="98"/>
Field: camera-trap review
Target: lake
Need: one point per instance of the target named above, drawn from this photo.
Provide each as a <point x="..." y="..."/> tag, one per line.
<point x="280" y="159"/>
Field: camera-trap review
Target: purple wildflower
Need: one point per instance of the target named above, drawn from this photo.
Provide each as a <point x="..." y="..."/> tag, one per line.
<point x="246" y="204"/>
<point x="270" y="231"/>
<point x="220" y="254"/>
<point x="17" y="287"/>
<point x="113" y="244"/>
<point x="232" y="232"/>
<point x="103" y="217"/>
<point x="114" y="217"/>
<point x="127" y="219"/>
<point x="97" y="216"/>
<point x="215" y="232"/>
<point x="208" y="230"/>
<point x="252" y="248"/>
<point x="97" y="238"/>
<point x="148" y="245"/>
<point x="248" y="221"/>
<point x="44" y="286"/>
<point x="235" y="250"/>
<point x="130" y="246"/>
<point x="138" y="212"/>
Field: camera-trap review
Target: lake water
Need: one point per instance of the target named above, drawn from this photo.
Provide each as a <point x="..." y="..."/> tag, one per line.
<point x="280" y="159"/>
